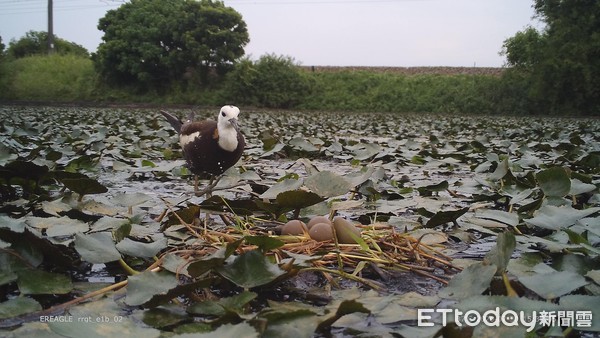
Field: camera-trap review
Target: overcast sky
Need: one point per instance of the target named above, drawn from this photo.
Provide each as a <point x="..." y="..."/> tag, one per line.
<point x="326" y="32"/>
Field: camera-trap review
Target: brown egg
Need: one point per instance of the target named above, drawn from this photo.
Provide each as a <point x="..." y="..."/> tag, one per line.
<point x="344" y="229"/>
<point x="294" y="227"/>
<point x="321" y="232"/>
<point x="318" y="219"/>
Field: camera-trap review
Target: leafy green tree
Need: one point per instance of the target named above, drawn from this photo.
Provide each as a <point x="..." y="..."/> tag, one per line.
<point x="273" y="81"/>
<point x="561" y="61"/>
<point x="35" y="43"/>
<point x="2" y="46"/>
<point x="153" y="42"/>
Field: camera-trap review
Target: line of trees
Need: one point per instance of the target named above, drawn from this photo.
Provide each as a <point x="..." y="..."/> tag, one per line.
<point x="182" y="46"/>
<point x="559" y="67"/>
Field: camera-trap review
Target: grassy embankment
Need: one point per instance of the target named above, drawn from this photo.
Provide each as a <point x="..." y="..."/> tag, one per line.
<point x="68" y="78"/>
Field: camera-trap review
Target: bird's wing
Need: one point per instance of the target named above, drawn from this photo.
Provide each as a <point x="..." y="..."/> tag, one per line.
<point x="173" y="120"/>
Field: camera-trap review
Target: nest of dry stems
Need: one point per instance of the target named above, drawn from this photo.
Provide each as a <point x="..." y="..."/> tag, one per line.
<point x="379" y="247"/>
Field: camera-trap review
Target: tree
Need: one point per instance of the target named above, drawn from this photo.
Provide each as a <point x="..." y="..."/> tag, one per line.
<point x="561" y="61"/>
<point x="35" y="43"/>
<point x="153" y="42"/>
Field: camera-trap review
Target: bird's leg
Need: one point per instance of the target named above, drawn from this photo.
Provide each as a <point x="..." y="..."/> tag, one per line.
<point x="209" y="188"/>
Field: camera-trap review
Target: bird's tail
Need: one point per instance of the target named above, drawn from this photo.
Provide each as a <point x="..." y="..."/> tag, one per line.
<point x="173" y="120"/>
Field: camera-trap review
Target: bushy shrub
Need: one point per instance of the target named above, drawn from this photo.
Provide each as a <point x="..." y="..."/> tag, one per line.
<point x="50" y="78"/>
<point x="272" y="82"/>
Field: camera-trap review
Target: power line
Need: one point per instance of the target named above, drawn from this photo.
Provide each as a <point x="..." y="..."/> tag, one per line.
<point x="40" y="6"/>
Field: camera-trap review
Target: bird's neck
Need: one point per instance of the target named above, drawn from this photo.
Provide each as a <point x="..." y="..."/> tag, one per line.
<point x="227" y="138"/>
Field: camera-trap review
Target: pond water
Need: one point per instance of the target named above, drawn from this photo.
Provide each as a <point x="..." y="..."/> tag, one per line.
<point x="433" y="194"/>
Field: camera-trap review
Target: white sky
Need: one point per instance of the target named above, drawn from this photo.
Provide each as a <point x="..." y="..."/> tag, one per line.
<point x="325" y="32"/>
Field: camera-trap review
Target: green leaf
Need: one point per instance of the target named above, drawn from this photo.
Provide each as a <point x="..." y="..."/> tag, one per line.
<point x="346" y="307"/>
<point x="27" y="170"/>
<point x="264" y="243"/>
<point x="162" y="317"/>
<point x="555" y="218"/>
<point x="130" y="199"/>
<point x="500" y="254"/>
<point x="142" y="287"/>
<point x="283" y="186"/>
<point x="84" y="186"/>
<point x="501" y="171"/>
<point x="554" y="284"/>
<point x="327" y="184"/>
<point x="41" y="282"/>
<point x="207" y="263"/>
<point x="509" y="218"/>
<point x="241" y="330"/>
<point x="12" y="224"/>
<point x="583" y="303"/>
<point x="138" y="249"/>
<point x="554" y="182"/>
<point x="58" y="226"/>
<point x="97" y="247"/>
<point x="302" y="144"/>
<point x="251" y="269"/>
<point x="428" y="189"/>
<point x="443" y="217"/>
<point x="234" y="304"/>
<point x="472" y="281"/>
<point x="297" y="199"/>
<point x="18" y="306"/>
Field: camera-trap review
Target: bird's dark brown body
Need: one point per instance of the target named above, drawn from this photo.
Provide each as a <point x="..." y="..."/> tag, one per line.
<point x="202" y="152"/>
<point x="210" y="146"/>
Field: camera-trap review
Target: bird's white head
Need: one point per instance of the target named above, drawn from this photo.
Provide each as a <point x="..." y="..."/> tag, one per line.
<point x="227" y="125"/>
<point x="228" y="117"/>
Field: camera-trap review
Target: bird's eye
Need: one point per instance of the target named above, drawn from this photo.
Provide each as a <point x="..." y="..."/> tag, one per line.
<point x="223" y="113"/>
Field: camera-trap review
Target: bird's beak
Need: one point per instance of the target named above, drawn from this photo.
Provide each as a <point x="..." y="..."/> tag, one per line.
<point x="234" y="123"/>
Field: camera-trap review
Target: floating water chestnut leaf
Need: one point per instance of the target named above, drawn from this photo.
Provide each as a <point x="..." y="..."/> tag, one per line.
<point x="97" y="247"/>
<point x="251" y="269"/>
<point x="554" y="284"/>
<point x="429" y="189"/>
<point x="130" y="199"/>
<point x="142" y="287"/>
<point x="264" y="243"/>
<point x="18" y="306"/>
<point x="327" y="184"/>
<point x="27" y="170"/>
<point x="507" y="218"/>
<point x="346" y="307"/>
<point x="553" y="217"/>
<point x="235" y="304"/>
<point x="138" y="249"/>
<point x="207" y="263"/>
<point x="283" y="186"/>
<point x="472" y="281"/>
<point x="84" y="186"/>
<point x="554" y="182"/>
<point x="297" y="199"/>
<point x="500" y="254"/>
<point x="161" y="317"/>
<point x="38" y="282"/>
<point x="443" y="217"/>
<point x="12" y="224"/>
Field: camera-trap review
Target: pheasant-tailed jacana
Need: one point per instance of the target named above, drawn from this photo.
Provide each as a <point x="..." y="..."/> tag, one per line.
<point x="208" y="146"/>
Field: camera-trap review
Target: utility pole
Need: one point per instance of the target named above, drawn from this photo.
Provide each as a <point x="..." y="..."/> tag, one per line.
<point x="50" y="28"/>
